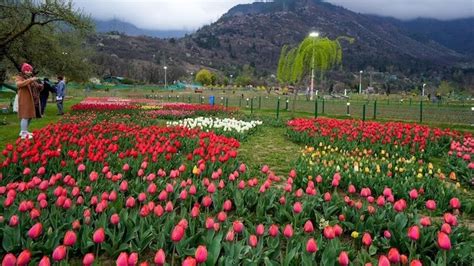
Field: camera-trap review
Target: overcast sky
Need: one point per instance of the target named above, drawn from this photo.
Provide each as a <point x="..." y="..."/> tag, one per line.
<point x="192" y="14"/>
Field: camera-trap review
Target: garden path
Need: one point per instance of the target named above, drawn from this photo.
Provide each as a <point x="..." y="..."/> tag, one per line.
<point x="270" y="146"/>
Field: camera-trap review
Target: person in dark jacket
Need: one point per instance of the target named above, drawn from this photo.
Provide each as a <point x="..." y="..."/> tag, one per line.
<point x="47" y="88"/>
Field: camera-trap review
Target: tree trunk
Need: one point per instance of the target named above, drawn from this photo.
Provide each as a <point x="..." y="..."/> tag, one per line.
<point x="3" y="67"/>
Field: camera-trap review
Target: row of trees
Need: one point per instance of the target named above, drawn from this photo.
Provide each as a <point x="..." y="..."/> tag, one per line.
<point x="48" y="34"/>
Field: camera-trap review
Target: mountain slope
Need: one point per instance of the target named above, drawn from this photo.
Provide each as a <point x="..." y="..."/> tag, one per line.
<point x="131" y="30"/>
<point x="253" y="34"/>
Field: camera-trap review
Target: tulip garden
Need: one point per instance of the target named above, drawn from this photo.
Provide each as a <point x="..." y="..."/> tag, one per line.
<point x="138" y="182"/>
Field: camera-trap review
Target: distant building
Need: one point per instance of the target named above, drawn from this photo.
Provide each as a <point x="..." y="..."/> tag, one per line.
<point x="113" y="79"/>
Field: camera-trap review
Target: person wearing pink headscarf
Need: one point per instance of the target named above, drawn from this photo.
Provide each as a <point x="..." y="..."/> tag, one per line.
<point x="27" y="87"/>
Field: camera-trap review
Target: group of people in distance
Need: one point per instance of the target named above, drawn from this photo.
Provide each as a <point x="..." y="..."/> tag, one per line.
<point x="33" y="95"/>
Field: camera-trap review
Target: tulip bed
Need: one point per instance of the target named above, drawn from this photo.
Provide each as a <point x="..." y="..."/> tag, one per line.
<point x="392" y="136"/>
<point x="229" y="127"/>
<point x="461" y="160"/>
<point x="106" y="187"/>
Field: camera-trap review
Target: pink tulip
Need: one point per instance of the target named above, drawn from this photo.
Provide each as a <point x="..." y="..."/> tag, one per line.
<point x="24" y="258"/>
<point x="253" y="240"/>
<point x="160" y="258"/>
<point x="394" y="255"/>
<point x="383" y="261"/>
<point x="366" y="239"/>
<point x="443" y="241"/>
<point x="59" y="253"/>
<point x="35" y="231"/>
<point x="308" y="227"/>
<point x="69" y="238"/>
<point x="177" y="233"/>
<point x="122" y="259"/>
<point x="343" y="259"/>
<point x="311" y="246"/>
<point x="238" y="227"/>
<point x="44" y="261"/>
<point x="414" y="232"/>
<point x="288" y="231"/>
<point x="9" y="260"/>
<point x="329" y="233"/>
<point x="99" y="236"/>
<point x="431" y="205"/>
<point x="260" y="230"/>
<point x="88" y="259"/>
<point x="455" y="203"/>
<point x="189" y="261"/>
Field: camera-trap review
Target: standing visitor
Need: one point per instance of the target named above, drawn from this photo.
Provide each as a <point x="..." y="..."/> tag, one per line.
<point x="60" y="92"/>
<point x="26" y="83"/>
<point x="47" y="88"/>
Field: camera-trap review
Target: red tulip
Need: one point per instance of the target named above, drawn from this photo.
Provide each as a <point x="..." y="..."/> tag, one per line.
<point x="413" y="194"/>
<point x="387" y="234"/>
<point x="414" y="232"/>
<point x="13" y="222"/>
<point x="122" y="259"/>
<point x="446" y="228"/>
<point x="425" y="221"/>
<point x="343" y="258"/>
<point x="35" y="231"/>
<point x="9" y="260"/>
<point x="189" y="261"/>
<point x="443" y="241"/>
<point x="288" y="231"/>
<point x="273" y="230"/>
<point x="455" y="203"/>
<point x="201" y="254"/>
<point x="69" y="238"/>
<point x="404" y="259"/>
<point x="238" y="227"/>
<point x="88" y="259"/>
<point x="394" y="255"/>
<point x="260" y="230"/>
<point x="329" y="232"/>
<point x="44" y="261"/>
<point x="297" y="207"/>
<point x="450" y="219"/>
<point x="431" y="205"/>
<point x="337" y="230"/>
<point x="24" y="258"/>
<point x="177" y="234"/>
<point x="308" y="227"/>
<point x="160" y="258"/>
<point x="99" y="236"/>
<point x="366" y="239"/>
<point x="383" y="261"/>
<point x="59" y="253"/>
<point x="327" y="196"/>
<point x="415" y="263"/>
<point x="311" y="246"/>
<point x="227" y="205"/>
<point x="253" y="240"/>
<point x="115" y="219"/>
<point x="130" y="202"/>
<point x="230" y="235"/>
<point x="133" y="259"/>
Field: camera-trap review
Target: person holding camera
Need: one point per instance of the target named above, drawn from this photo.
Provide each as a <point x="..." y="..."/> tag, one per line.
<point x="27" y="86"/>
<point x="47" y="88"/>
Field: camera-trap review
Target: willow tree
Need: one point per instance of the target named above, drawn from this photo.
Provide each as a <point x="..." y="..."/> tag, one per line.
<point x="314" y="54"/>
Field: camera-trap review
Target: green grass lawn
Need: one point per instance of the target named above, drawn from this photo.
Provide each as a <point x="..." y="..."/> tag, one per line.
<point x="9" y="132"/>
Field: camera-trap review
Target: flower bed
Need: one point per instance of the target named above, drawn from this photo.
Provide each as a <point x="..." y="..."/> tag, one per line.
<point x="461" y="160"/>
<point x="102" y="186"/>
<point x="392" y="136"/>
<point x="227" y="126"/>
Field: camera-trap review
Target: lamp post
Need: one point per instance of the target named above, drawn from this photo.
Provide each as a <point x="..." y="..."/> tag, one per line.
<point x="313" y="35"/>
<point x="423" y="90"/>
<point x="230" y="82"/>
<point x="360" y="81"/>
<point x="166" y="84"/>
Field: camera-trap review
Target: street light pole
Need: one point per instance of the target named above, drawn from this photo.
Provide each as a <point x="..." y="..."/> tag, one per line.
<point x="423" y="90"/>
<point x="360" y="81"/>
<point x="313" y="35"/>
<point x="166" y="84"/>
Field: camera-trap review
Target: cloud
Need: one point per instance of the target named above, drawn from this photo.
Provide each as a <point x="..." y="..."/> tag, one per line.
<point x="410" y="9"/>
<point x="192" y="14"/>
<point x="160" y="14"/>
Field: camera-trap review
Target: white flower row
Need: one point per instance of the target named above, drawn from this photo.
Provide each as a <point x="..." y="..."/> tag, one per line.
<point x="226" y="124"/>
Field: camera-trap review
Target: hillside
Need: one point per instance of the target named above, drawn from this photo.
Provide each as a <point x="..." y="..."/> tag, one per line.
<point x="253" y="34"/>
